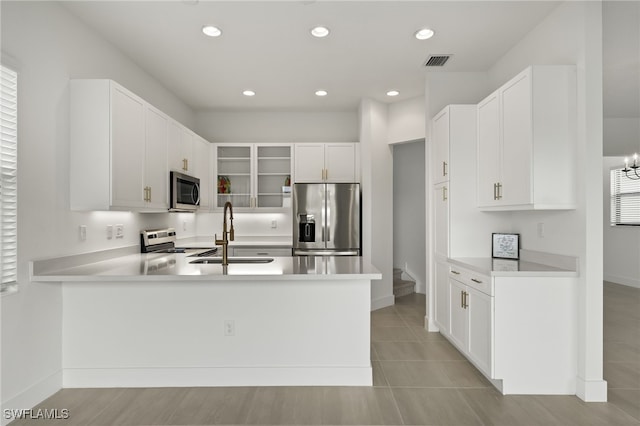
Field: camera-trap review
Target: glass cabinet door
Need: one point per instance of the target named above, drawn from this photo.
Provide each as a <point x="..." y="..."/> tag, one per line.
<point x="234" y="175"/>
<point x="273" y="176"/>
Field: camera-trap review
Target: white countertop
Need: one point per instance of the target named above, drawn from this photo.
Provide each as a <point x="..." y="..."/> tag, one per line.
<point x="177" y="267"/>
<point x="239" y="241"/>
<point x="511" y="268"/>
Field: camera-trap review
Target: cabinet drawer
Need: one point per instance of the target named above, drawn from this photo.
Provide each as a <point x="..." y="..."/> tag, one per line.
<point x="262" y="251"/>
<point x="480" y="282"/>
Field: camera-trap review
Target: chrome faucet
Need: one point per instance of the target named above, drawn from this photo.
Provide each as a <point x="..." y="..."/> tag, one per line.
<point x="224" y="242"/>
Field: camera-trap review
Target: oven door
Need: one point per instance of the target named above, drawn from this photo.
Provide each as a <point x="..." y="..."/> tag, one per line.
<point x="185" y="192"/>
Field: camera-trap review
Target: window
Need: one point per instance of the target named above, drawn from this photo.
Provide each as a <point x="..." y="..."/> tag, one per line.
<point x="8" y="176"/>
<point x="625" y="199"/>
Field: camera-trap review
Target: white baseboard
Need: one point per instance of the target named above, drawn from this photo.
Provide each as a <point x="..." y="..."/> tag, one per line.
<point x="34" y="395"/>
<point x="221" y="376"/>
<point x="631" y="282"/>
<point x="383" y="302"/>
<point x="592" y="390"/>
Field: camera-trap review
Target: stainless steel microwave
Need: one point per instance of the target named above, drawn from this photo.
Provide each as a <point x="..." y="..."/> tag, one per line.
<point x="184" y="192"/>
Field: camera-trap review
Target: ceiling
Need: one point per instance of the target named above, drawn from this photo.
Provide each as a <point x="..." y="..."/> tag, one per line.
<point x="266" y="46"/>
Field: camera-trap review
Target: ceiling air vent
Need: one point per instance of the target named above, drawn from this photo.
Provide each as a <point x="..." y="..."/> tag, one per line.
<point x="437" y="60"/>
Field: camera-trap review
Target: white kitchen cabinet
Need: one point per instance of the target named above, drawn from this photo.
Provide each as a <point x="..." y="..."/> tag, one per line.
<point x="459" y="319"/>
<point x="441" y="219"/>
<point x="117" y="149"/>
<point x="440" y="147"/>
<point x="156" y="178"/>
<point x="202" y="170"/>
<point x="326" y="162"/>
<point x="253" y="175"/>
<point x="181" y="148"/>
<point x="471" y="313"/>
<point x="441" y="295"/>
<point x="479" y="338"/>
<point x="517" y="327"/>
<point x="526" y="142"/>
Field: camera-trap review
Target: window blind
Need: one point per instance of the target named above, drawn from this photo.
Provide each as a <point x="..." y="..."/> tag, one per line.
<point x="8" y="176"/>
<point x="625" y="199"/>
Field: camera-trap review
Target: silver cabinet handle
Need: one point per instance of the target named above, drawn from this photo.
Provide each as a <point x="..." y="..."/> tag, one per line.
<point x="455" y="272"/>
<point x="499" y="191"/>
<point x="462" y="299"/>
<point x="444" y="193"/>
<point x="495" y="191"/>
<point x="444" y="168"/>
<point x="476" y="281"/>
<point x="466" y="305"/>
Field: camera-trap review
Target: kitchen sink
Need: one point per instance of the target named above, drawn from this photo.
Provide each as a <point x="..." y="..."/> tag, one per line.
<point x="234" y="260"/>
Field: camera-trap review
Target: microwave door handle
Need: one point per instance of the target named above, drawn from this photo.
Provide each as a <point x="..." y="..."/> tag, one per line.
<point x="195" y="194"/>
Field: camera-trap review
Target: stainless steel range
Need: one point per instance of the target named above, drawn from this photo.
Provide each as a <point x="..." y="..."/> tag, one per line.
<point x="164" y="241"/>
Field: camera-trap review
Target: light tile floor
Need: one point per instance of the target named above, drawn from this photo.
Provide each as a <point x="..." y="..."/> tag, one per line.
<point x="419" y="379"/>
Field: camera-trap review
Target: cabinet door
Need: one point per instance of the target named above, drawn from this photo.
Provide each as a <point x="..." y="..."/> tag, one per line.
<point x="488" y="151"/>
<point x="234" y="180"/>
<point x="340" y="162"/>
<point x="180" y="151"/>
<point x="156" y="173"/>
<point x="127" y="149"/>
<point x="480" y="336"/>
<point x="459" y="320"/>
<point x="309" y="162"/>
<point x="201" y="169"/>
<point x="441" y="219"/>
<point x="441" y="296"/>
<point x="517" y="133"/>
<point x="273" y="164"/>
<point x="440" y="148"/>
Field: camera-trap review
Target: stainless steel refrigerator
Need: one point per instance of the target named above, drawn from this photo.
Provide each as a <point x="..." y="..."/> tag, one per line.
<point x="326" y="219"/>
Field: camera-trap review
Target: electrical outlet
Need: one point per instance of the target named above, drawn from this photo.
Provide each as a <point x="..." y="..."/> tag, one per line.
<point x="540" y="230"/>
<point x="119" y="231"/>
<point x="109" y="232"/>
<point x="229" y="328"/>
<point x="83" y="232"/>
<point x="274" y="223"/>
<point x="184" y="225"/>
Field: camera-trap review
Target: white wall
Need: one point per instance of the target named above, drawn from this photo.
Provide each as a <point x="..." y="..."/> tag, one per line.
<point x="409" y="204"/>
<point x="49" y="46"/>
<point x="377" y="198"/>
<point x="621" y="136"/>
<point x="407" y="120"/>
<point x="278" y="126"/>
<point x="621" y="243"/>
<point x="572" y="34"/>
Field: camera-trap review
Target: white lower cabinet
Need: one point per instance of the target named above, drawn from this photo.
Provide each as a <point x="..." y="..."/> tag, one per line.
<point x="518" y="330"/>
<point x="471" y="315"/>
<point x="479" y="343"/>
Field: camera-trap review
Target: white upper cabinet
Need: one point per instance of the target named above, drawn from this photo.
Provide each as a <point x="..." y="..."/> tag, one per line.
<point x="440" y="147"/>
<point x="253" y="176"/>
<point x="326" y="162"/>
<point x="156" y="178"/>
<point x="118" y="149"/>
<point x="181" y="141"/>
<point x="122" y="148"/>
<point x="526" y="142"/>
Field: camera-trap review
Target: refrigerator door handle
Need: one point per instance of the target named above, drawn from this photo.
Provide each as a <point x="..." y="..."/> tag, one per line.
<point x="328" y="216"/>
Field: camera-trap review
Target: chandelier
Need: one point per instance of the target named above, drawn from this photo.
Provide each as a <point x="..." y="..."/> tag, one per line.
<point x="631" y="168"/>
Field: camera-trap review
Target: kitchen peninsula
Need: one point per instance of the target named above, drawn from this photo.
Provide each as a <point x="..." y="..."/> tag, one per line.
<point x="156" y="320"/>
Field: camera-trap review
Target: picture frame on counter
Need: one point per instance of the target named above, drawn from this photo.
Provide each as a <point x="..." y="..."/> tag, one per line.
<point x="505" y="246"/>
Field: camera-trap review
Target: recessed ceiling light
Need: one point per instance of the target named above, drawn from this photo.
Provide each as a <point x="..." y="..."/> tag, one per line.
<point x="393" y="93"/>
<point x="249" y="93"/>
<point x="321" y="93"/>
<point x="424" y="34"/>
<point x="320" y="32"/>
<point x="211" y="31"/>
